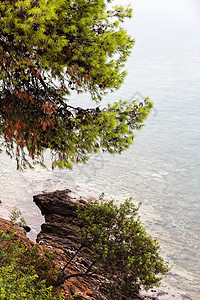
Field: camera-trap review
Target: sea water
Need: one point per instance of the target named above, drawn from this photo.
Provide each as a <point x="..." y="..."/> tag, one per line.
<point x="162" y="168"/>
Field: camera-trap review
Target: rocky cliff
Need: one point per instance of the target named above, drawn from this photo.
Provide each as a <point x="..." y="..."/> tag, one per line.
<point x="60" y="232"/>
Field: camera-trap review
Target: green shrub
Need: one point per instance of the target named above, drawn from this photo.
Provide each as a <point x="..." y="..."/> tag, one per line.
<point x="16" y="218"/>
<point x="121" y="248"/>
<point x="24" y="273"/>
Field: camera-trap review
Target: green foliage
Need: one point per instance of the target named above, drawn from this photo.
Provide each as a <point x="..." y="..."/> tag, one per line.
<point x="121" y="248"/>
<point x="24" y="273"/>
<point x="74" y="297"/>
<point x="14" y="218"/>
<point x="48" y="49"/>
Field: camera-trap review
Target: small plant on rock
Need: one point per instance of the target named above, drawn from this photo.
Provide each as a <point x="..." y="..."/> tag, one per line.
<point x="16" y="218"/>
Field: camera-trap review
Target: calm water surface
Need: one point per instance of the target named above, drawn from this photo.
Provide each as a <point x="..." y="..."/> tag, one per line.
<point x="162" y="168"/>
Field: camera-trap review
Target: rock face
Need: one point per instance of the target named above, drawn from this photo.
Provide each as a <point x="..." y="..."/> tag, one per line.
<point x="60" y="214"/>
<point x="60" y="232"/>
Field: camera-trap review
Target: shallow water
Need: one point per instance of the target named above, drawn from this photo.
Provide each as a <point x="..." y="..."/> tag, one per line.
<point x="162" y="168"/>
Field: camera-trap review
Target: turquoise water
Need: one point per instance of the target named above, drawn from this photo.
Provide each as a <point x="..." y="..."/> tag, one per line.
<point x="162" y="168"/>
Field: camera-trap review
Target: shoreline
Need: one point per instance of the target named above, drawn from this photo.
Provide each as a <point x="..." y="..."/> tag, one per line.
<point x="172" y="286"/>
<point x="167" y="290"/>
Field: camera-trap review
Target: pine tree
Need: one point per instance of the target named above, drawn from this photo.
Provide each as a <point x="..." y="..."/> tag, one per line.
<point x="48" y="49"/>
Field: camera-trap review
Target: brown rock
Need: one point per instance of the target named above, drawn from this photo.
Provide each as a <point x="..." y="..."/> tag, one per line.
<point x="6" y="226"/>
<point x="60" y="232"/>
